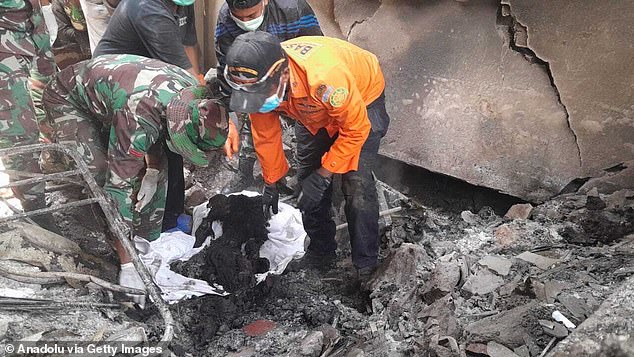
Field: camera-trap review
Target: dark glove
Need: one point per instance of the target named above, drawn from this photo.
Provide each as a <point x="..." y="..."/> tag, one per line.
<point x="270" y="200"/>
<point x="313" y="188"/>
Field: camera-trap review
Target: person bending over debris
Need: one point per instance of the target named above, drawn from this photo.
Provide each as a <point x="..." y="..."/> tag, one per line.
<point x="335" y="91"/>
<point x="119" y="111"/>
<point x="164" y="30"/>
<point x="26" y="65"/>
<point x="285" y="19"/>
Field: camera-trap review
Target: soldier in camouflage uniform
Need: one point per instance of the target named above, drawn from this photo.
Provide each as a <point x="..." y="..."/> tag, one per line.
<point x="71" y="44"/>
<point x="24" y="52"/>
<point x="118" y="111"/>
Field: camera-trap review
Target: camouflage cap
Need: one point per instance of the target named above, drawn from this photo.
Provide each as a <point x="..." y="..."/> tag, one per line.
<point x="195" y="125"/>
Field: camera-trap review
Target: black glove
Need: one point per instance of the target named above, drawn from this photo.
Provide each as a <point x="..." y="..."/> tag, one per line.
<point x="270" y="200"/>
<point x="313" y="188"/>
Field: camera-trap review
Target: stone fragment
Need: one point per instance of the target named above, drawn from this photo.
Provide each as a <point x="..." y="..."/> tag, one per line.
<point x="522" y="351"/>
<point x="577" y="307"/>
<point x="504" y="327"/>
<point x="477" y="348"/>
<point x="495" y="349"/>
<point x="499" y="265"/>
<point x="595" y="203"/>
<point x="259" y="327"/>
<point x="195" y="196"/>
<point x="551" y="290"/>
<point x="519" y="211"/>
<point x="554" y="329"/>
<point x="355" y="352"/>
<point x="444" y="279"/>
<point x="539" y="261"/>
<point x="312" y="344"/>
<point x="400" y="267"/>
<point x="469" y="217"/>
<point x="482" y="283"/>
<point x="620" y="199"/>
<point x="505" y="235"/>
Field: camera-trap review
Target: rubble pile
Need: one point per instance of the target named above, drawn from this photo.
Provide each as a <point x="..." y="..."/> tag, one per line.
<point x="451" y="284"/>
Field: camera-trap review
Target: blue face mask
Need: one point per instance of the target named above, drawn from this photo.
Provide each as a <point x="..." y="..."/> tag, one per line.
<point x="183" y="2"/>
<point x="272" y="102"/>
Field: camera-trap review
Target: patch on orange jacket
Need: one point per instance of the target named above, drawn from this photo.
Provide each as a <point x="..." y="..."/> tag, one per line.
<point x="338" y="97"/>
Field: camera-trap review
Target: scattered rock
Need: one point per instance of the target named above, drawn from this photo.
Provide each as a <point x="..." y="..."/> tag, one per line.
<point x="543" y="263"/>
<point x="259" y="327"/>
<point x="4" y="327"/>
<point x="499" y="265"/>
<point x="519" y="211"/>
<point x="355" y="352"/>
<point x="620" y="199"/>
<point x="312" y="344"/>
<point x="477" y="348"/>
<point x="469" y="217"/>
<point x="400" y="267"/>
<point x="482" y="283"/>
<point x="495" y="349"/>
<point x="577" y="307"/>
<point x="444" y="279"/>
<point x="195" y="195"/>
<point x="522" y="351"/>
<point x="508" y="327"/>
<point x="554" y="329"/>
<point x="505" y="235"/>
<point x="595" y="203"/>
<point x="551" y="290"/>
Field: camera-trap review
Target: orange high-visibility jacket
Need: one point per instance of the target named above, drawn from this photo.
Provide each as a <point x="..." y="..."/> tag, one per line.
<point x="331" y="83"/>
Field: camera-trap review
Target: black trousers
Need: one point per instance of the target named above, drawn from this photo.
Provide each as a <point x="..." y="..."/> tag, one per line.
<point x="175" y="202"/>
<point x="359" y="190"/>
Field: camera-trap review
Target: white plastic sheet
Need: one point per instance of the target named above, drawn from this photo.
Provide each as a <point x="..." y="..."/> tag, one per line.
<point x="286" y="239"/>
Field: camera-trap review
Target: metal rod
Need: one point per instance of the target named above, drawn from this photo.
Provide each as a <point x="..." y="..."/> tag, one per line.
<point x="55" y="176"/>
<point x="381" y="214"/>
<point x="40" y="211"/>
<point x="15" y="210"/>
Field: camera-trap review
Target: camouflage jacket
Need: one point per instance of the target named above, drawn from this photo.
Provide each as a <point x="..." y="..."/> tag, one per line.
<point x="127" y="95"/>
<point x="23" y="32"/>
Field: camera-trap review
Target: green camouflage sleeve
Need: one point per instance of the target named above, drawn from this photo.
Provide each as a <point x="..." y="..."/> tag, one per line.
<point x="43" y="64"/>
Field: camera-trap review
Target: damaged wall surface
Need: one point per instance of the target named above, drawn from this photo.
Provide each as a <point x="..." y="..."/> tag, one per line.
<point x="522" y="97"/>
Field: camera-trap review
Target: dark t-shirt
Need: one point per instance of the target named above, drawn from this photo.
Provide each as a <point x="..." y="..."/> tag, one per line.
<point x="152" y="29"/>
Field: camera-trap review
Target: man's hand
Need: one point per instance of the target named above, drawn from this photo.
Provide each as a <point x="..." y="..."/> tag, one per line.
<point x="270" y="200"/>
<point x="148" y="188"/>
<point x="313" y="188"/>
<point x="232" y="145"/>
<point x="129" y="277"/>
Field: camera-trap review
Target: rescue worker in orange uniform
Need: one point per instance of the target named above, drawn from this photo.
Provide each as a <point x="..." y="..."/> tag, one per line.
<point x="335" y="92"/>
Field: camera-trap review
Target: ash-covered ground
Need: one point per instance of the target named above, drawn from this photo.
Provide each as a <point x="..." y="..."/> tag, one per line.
<point x="458" y="278"/>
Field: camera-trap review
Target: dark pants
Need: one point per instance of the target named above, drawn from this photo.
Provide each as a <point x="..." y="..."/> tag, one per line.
<point x="175" y="203"/>
<point x="359" y="190"/>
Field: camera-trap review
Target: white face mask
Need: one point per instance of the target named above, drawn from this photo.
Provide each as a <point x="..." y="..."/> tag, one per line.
<point x="250" y="25"/>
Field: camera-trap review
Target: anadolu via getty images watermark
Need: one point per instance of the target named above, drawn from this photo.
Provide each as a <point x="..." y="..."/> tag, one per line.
<point x="84" y="349"/>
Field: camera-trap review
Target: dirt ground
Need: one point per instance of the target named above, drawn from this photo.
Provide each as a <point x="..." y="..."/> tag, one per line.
<point x="457" y="279"/>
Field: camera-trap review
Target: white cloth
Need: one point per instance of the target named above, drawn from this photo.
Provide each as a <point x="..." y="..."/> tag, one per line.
<point x="285" y="243"/>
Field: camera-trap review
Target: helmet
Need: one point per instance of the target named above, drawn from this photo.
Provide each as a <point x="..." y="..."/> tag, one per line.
<point x="195" y="125"/>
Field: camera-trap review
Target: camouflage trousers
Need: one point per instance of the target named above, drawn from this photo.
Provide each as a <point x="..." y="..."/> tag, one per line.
<point x="93" y="140"/>
<point x="18" y="123"/>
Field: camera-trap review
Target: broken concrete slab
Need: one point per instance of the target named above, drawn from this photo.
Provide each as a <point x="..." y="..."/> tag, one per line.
<point x="540" y="261"/>
<point x="554" y="329"/>
<point x="577" y="307"/>
<point x="444" y="279"/>
<point x="498" y="264"/>
<point x="495" y="349"/>
<point x="507" y="328"/>
<point x="505" y="235"/>
<point x="312" y="344"/>
<point x="598" y="99"/>
<point x="472" y="110"/>
<point x="482" y="283"/>
<point x="607" y="332"/>
<point x="519" y="211"/>
<point x="612" y="180"/>
<point x="400" y="267"/>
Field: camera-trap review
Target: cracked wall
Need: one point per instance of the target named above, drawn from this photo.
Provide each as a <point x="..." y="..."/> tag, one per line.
<point x="522" y="97"/>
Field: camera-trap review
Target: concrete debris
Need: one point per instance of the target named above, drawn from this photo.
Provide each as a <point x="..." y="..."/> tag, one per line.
<point x="577" y="307"/>
<point x="195" y="195"/>
<point x="500" y="265"/>
<point x="444" y="279"/>
<point x="503" y="328"/>
<point x="522" y="351"/>
<point x="482" y="283"/>
<point x="505" y="235"/>
<point x="519" y="211"/>
<point x="312" y="344"/>
<point x="495" y="349"/>
<point x="355" y="352"/>
<point x="539" y="261"/>
<point x="554" y="329"/>
<point x="477" y="348"/>
<point x="469" y="217"/>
